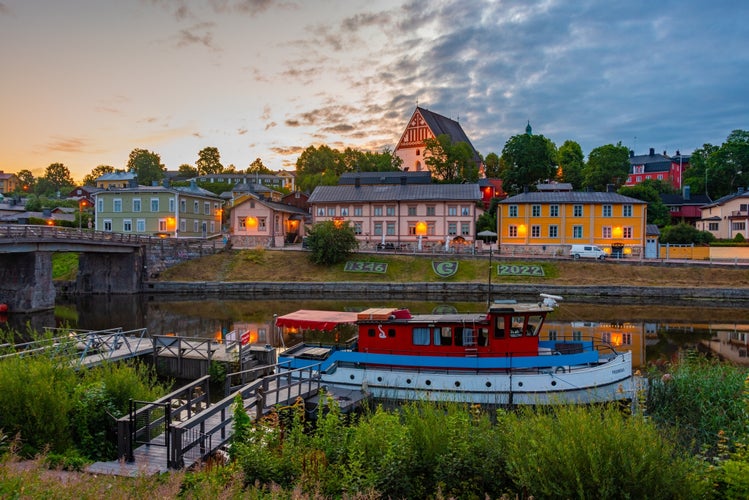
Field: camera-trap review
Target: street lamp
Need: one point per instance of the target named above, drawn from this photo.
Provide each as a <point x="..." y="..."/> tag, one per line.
<point x="81" y="204"/>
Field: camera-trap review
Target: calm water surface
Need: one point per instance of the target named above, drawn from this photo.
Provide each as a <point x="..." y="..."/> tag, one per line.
<point x="651" y="332"/>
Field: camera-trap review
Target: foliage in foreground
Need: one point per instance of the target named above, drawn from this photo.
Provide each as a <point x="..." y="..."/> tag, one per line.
<point x="330" y="243"/>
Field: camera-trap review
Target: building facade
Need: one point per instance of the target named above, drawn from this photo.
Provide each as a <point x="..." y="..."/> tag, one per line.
<point x="117" y="180"/>
<point x="259" y="222"/>
<point x="178" y="212"/>
<point x="657" y="167"/>
<point x="727" y="216"/>
<point x="405" y="216"/>
<point x="549" y="222"/>
<point x="8" y="182"/>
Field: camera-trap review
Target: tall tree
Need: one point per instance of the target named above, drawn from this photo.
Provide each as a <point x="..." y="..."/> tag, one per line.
<point x="257" y="167"/>
<point x="606" y="165"/>
<point x="728" y="167"/>
<point x="147" y="166"/>
<point x="695" y="176"/>
<point x="209" y="161"/>
<point x="450" y="162"/>
<point x="571" y="163"/>
<point x="98" y="171"/>
<point x="26" y="181"/>
<point x="188" y="171"/>
<point x="58" y="177"/>
<point x="527" y="160"/>
<point x="491" y="164"/>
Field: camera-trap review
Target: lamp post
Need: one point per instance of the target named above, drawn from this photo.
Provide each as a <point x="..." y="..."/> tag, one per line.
<point x="81" y="204"/>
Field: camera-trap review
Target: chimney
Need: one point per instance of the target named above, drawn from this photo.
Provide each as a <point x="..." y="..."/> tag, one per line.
<point x="610" y="188"/>
<point x="193" y="184"/>
<point x="631" y="154"/>
<point x="154" y="183"/>
<point x="652" y="151"/>
<point x="357" y="182"/>
<point x="403" y="180"/>
<point x="687" y="193"/>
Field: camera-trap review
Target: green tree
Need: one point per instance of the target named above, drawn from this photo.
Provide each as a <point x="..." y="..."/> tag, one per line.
<point x="606" y="165"/>
<point x="491" y="166"/>
<point x="147" y="166"/>
<point x="685" y="234"/>
<point x="318" y="166"/>
<point x="330" y="242"/>
<point x="450" y="162"/>
<point x="257" y="167"/>
<point x="527" y="160"/>
<point x="695" y="175"/>
<point x="658" y="213"/>
<point x="209" y="161"/>
<point x="571" y="163"/>
<point x="98" y="171"/>
<point x="188" y="171"/>
<point x="728" y="166"/>
<point x="26" y="181"/>
<point x="56" y="179"/>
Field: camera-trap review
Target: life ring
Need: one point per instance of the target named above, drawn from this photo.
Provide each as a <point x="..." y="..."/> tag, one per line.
<point x="3" y="308"/>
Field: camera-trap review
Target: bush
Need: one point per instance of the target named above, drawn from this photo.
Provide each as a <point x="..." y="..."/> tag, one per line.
<point x="330" y="243"/>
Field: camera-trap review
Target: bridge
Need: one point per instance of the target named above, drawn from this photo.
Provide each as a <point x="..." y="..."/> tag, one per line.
<point x="108" y="262"/>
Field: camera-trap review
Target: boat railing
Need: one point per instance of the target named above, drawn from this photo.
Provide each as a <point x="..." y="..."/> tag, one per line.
<point x="246" y="376"/>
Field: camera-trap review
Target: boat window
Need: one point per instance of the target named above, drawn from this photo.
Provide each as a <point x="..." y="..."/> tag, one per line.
<point x="483" y="339"/>
<point x="371" y="332"/>
<point x="516" y="330"/>
<point x="391" y="332"/>
<point x="468" y="338"/>
<point x="446" y="336"/>
<point x="421" y="336"/>
<point x="534" y="325"/>
<point x="499" y="327"/>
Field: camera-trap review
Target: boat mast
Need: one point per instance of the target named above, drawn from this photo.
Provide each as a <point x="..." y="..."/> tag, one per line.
<point x="489" y="292"/>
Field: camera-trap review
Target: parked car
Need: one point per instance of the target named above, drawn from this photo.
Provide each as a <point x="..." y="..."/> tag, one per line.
<point x="587" y="252"/>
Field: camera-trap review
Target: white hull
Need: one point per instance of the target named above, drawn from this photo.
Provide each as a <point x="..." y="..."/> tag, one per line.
<point x="609" y="381"/>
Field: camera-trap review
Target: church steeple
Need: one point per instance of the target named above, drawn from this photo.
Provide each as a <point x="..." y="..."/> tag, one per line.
<point x="528" y="129"/>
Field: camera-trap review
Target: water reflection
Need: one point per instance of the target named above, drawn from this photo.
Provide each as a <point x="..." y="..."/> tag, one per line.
<point x="658" y="332"/>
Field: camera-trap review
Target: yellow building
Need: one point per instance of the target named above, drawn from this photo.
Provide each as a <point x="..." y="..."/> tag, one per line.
<point x="549" y="222"/>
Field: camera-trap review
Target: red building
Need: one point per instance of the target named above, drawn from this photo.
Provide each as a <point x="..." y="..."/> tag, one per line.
<point x="658" y="167"/>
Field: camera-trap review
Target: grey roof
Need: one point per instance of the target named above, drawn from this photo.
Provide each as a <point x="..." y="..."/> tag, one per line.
<point x="194" y="190"/>
<point x="117" y="176"/>
<point x="423" y="177"/>
<point x="652" y="230"/>
<point x="652" y="163"/>
<point x="679" y="200"/>
<point x="439" y="125"/>
<point x="741" y="193"/>
<point x="571" y="197"/>
<point x="408" y="192"/>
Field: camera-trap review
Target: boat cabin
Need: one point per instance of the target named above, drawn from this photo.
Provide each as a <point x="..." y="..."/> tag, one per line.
<point x="506" y="330"/>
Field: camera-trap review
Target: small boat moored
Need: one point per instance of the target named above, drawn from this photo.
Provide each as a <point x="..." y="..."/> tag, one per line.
<point x="495" y="358"/>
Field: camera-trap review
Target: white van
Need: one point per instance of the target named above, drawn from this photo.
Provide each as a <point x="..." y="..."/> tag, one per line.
<point x="587" y="252"/>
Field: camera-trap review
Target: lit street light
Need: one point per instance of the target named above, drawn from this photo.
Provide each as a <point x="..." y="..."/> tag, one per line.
<point x="81" y="204"/>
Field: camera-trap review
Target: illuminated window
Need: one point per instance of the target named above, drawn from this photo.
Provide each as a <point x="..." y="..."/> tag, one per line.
<point x="606" y="232"/>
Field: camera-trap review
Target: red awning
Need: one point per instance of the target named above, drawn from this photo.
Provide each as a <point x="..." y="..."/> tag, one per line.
<point x="308" y="319"/>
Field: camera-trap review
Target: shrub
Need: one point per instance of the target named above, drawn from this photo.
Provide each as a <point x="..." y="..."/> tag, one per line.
<point x="330" y="243"/>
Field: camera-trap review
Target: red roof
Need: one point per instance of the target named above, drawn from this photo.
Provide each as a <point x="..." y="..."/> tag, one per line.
<point x="309" y="319"/>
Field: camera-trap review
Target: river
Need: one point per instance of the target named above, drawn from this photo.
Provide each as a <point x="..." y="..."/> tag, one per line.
<point x="653" y="333"/>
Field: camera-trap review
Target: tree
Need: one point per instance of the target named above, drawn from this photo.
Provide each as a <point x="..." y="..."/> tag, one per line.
<point x="209" y="161"/>
<point x="147" y="166"/>
<point x="491" y="164"/>
<point x="571" y="163"/>
<point x="317" y="166"/>
<point x="606" y="165"/>
<point x="90" y="179"/>
<point x="331" y="242"/>
<point x="658" y="213"/>
<point x="26" y="181"/>
<point x="257" y="167"/>
<point x="450" y="162"/>
<point x="695" y="175"/>
<point x="728" y="166"/>
<point x="57" y="178"/>
<point x="187" y="170"/>
<point x="685" y="234"/>
<point x="527" y="160"/>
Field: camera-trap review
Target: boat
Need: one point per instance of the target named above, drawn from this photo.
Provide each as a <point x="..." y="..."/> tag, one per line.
<point x="497" y="358"/>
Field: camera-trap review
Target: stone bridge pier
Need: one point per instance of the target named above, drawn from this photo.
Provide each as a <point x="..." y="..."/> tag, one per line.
<point x="26" y="281"/>
<point x="109" y="273"/>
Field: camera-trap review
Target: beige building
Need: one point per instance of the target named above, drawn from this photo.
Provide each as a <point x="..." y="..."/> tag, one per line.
<point x="403" y="216"/>
<point x="727" y="216"/>
<point x="260" y="222"/>
<point x="177" y="212"/>
<point x="8" y="182"/>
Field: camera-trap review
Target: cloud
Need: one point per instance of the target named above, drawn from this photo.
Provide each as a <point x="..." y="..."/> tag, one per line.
<point x="241" y="131"/>
<point x="67" y="145"/>
<point x="4" y="9"/>
<point x="197" y="34"/>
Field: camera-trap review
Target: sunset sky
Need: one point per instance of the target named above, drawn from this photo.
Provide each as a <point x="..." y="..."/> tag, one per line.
<point x="84" y="82"/>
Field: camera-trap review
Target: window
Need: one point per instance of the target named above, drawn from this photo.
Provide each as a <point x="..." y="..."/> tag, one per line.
<point x="377" y="211"/>
<point x="712" y="226"/>
<point x="465" y="211"/>
<point x="445" y="336"/>
<point x="154" y="204"/>
<point x="513" y="210"/>
<point x="536" y="211"/>
<point x="162" y="225"/>
<point x="136" y="204"/>
<point x="100" y="205"/>
<point x="183" y="225"/>
<point x="183" y="205"/>
<point x="606" y="232"/>
<point x="390" y="228"/>
<point x="261" y="224"/>
<point x="195" y="226"/>
<point x="627" y="232"/>
<point x="431" y="210"/>
<point x="412" y="211"/>
<point x="140" y="225"/>
<point x="553" y="335"/>
<point x="357" y="227"/>
<point x="535" y="231"/>
<point x="553" y="231"/>
<point x="430" y="228"/>
<point x="207" y="207"/>
<point x="627" y="210"/>
<point x="465" y="228"/>
<point x="344" y="211"/>
<point x="421" y="336"/>
<point x="553" y="210"/>
<point x="577" y="210"/>
<point x="378" y="228"/>
<point x="577" y="232"/>
<point x="607" y="211"/>
<point x="738" y="226"/>
<point x="390" y="211"/>
<point x="117" y="205"/>
<point x="742" y="207"/>
<point x="331" y="211"/>
<point x="127" y="226"/>
<point x="452" y="210"/>
<point x="321" y="211"/>
<point x="196" y="207"/>
<point x="108" y="225"/>
<point x="512" y="231"/>
<point x="452" y="228"/>
<point x="357" y="211"/>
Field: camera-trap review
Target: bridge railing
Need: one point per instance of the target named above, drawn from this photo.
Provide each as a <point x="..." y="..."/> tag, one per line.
<point x="211" y="429"/>
<point x="40" y="232"/>
<point x="96" y="347"/>
<point x="56" y="341"/>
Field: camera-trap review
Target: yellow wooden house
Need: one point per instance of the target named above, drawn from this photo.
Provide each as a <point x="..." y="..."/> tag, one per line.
<point x="549" y="222"/>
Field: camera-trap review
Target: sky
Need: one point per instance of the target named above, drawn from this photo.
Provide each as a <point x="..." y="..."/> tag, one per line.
<point x="85" y="82"/>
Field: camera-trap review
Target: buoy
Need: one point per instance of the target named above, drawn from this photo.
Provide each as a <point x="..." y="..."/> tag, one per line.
<point x="3" y="308"/>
